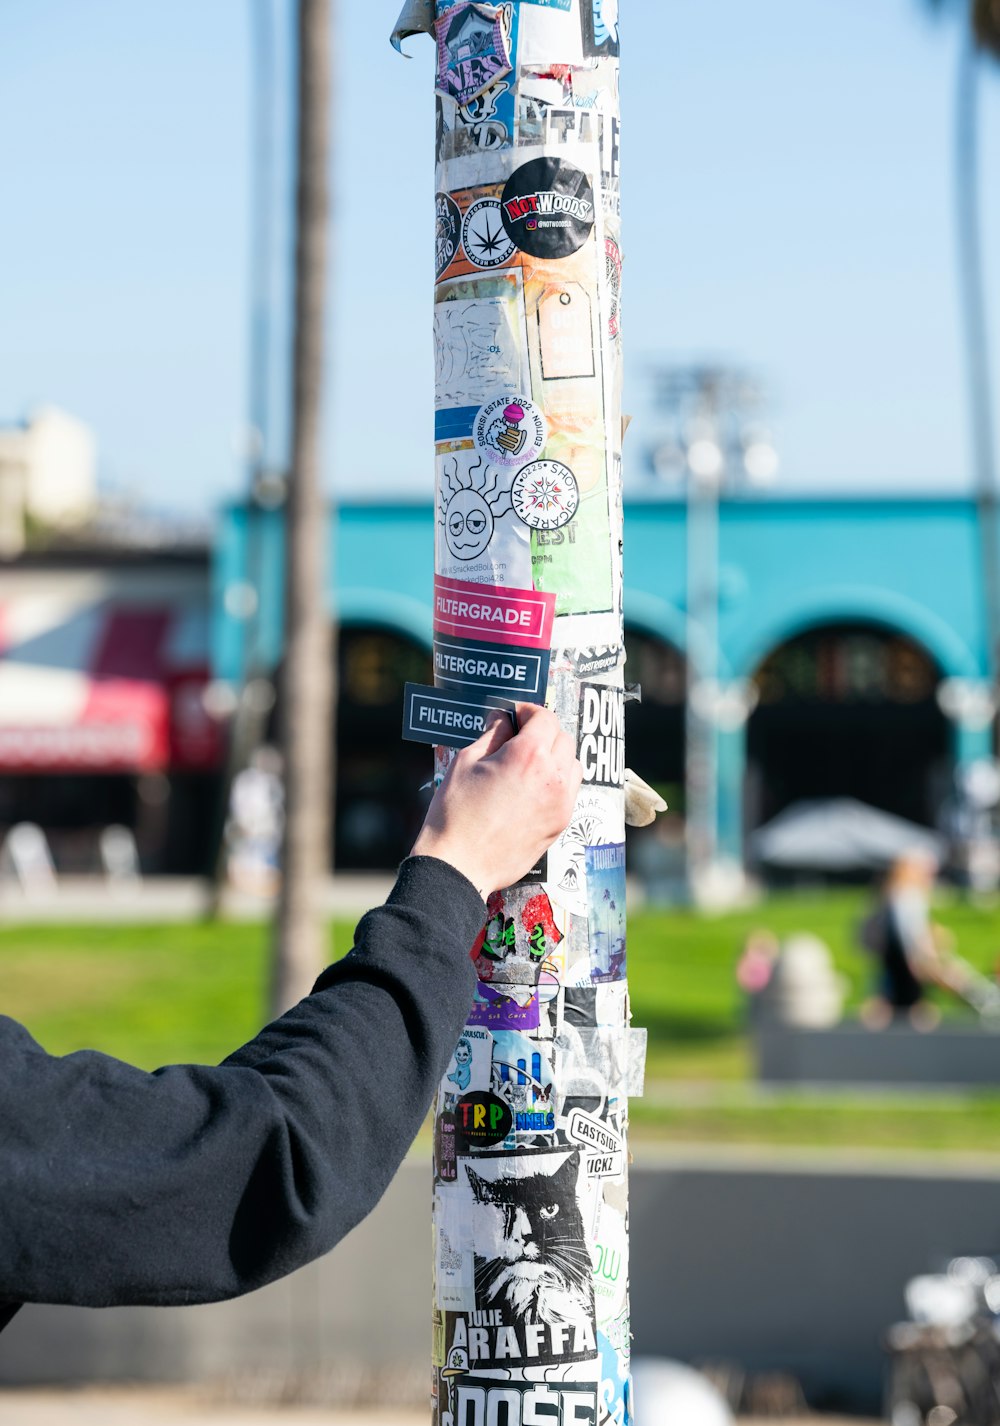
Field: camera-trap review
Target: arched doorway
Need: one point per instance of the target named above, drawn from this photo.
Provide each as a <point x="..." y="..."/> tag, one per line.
<point x="379" y="804"/>
<point x="848" y="710"/>
<point x="656" y="724"/>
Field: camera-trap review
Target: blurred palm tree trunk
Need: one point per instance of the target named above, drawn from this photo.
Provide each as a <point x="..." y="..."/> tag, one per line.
<point x="307" y="693"/>
<point x="974" y="314"/>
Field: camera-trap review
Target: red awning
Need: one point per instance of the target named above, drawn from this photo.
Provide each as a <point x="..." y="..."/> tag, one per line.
<point x="103" y="687"/>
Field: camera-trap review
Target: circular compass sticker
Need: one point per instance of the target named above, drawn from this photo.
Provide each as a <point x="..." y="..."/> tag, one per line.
<point x="545" y="495"/>
<point x="484" y="237"/>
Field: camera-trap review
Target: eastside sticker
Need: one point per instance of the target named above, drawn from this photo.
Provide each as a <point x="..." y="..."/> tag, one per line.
<point x="476" y="611"/>
<point x="484" y="237"/>
<point x="447" y="719"/>
<point x="514" y="673"/>
<point x="548" y="208"/>
<point x="545" y="495"/>
<point x="510" y="432"/>
<point x="606" y="1158"/>
<point x="601" y="741"/>
<point x="447" y="231"/>
<point x="473" y="51"/>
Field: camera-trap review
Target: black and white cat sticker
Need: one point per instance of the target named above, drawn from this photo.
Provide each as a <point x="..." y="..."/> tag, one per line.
<point x="533" y="1277"/>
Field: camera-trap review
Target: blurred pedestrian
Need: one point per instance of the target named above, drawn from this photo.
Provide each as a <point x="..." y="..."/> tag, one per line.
<point x="913" y="953"/>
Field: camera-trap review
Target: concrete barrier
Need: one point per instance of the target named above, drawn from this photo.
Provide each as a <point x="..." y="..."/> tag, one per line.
<point x="899" y="1055"/>
<point x="772" y="1262"/>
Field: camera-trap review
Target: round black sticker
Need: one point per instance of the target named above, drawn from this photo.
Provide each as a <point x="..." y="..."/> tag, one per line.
<point x="482" y="1120"/>
<point x="548" y="208"/>
<point x="447" y="233"/>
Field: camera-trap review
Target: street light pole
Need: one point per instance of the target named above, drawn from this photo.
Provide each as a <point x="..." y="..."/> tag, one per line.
<point x="714" y="445"/>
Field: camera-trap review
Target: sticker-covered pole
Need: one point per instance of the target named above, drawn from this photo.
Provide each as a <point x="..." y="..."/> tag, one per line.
<point x="531" y="1313"/>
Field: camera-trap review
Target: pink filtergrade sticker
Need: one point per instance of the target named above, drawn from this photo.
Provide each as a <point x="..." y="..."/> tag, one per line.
<point x="507" y="616"/>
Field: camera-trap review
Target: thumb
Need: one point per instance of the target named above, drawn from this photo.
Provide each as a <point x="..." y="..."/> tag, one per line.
<point x="498" y="730"/>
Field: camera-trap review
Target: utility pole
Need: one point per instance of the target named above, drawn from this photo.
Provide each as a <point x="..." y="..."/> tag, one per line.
<point x="308" y="676"/>
<point x="531" y="1307"/>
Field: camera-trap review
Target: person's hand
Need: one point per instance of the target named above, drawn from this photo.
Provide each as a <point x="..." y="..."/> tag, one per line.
<point x="504" y="800"/>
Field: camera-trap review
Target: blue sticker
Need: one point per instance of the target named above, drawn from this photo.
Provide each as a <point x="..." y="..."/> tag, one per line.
<point x="553" y="4"/>
<point x="600" y="28"/>
<point x="516" y="673"/>
<point x="606" y="911"/>
<point x="446" y="718"/>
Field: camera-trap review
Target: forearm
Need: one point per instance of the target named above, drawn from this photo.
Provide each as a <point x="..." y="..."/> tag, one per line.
<point x="198" y="1183"/>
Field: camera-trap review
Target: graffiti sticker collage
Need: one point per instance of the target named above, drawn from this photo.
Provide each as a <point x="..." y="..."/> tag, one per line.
<point x="531" y="1314"/>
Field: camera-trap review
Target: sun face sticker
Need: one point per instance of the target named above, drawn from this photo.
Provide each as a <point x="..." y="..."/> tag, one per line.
<point x="545" y="495"/>
<point x="471" y="504"/>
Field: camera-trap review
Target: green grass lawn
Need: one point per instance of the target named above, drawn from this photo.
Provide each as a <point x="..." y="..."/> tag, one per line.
<point x="152" y="995"/>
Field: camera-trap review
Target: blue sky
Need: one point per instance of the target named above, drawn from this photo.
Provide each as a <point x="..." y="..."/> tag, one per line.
<point x="787" y="191"/>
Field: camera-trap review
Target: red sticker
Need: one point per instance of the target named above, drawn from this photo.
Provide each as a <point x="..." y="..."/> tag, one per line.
<point x="479" y="611"/>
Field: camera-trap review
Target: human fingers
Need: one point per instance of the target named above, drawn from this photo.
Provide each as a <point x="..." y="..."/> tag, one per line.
<point x="538" y="725"/>
<point x="498" y="730"/>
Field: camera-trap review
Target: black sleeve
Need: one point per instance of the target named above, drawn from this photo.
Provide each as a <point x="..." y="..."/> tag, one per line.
<point x="198" y="1183"/>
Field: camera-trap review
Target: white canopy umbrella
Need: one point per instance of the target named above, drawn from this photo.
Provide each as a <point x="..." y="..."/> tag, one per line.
<point x="840" y="834"/>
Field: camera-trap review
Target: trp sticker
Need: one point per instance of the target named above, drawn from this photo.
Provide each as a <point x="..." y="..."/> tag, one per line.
<point x="447" y="232"/>
<point x="482" y="1120"/>
<point x="511" y="672"/>
<point x="465" y="610"/>
<point x="548" y="208"/>
<point x="510" y="432"/>
<point x="601" y="741"/>
<point x="473" y="50"/>
<point x="447" y="718"/>
<point x="484" y="237"/>
<point x="545" y="495"/>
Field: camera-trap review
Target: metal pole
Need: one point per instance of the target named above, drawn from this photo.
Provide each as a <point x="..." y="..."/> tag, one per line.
<point x="974" y="314"/>
<point x="701" y="762"/>
<point x="531" y="1311"/>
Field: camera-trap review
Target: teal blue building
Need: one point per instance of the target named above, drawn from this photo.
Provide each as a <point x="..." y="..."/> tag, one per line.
<point x="852" y="636"/>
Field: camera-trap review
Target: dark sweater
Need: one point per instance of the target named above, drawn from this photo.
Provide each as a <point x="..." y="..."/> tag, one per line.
<point x="198" y="1183"/>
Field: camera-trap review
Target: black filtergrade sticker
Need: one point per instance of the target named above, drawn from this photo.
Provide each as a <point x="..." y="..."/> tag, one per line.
<point x="448" y="718"/>
<point x="497" y="668"/>
<point x="548" y="208"/>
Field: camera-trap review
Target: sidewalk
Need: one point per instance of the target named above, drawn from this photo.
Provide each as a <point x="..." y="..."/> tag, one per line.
<point x="177" y="1407"/>
<point x="164" y="899"/>
<point x="134" y="1407"/>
